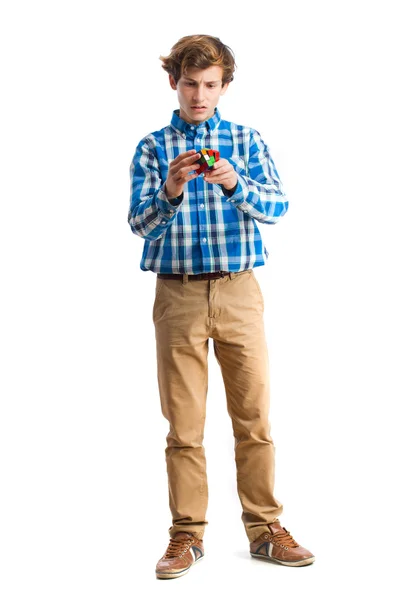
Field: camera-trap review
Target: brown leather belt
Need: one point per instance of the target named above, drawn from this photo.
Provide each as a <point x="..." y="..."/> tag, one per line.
<point x="214" y="275"/>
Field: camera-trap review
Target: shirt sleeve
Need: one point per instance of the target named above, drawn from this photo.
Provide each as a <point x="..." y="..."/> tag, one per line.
<point x="260" y="193"/>
<point x="150" y="211"/>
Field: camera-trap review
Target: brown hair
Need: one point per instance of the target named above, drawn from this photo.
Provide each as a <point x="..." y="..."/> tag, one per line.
<point x="200" y="52"/>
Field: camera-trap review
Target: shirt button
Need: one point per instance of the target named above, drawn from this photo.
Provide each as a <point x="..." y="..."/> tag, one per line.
<point x="163" y="222"/>
<point x="202" y="206"/>
<point x="204" y="240"/>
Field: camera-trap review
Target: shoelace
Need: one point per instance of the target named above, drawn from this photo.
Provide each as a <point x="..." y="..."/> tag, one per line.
<point x="284" y="539"/>
<point x="177" y="547"/>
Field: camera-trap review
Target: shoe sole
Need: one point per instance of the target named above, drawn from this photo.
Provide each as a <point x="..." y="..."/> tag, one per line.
<point x="162" y="575"/>
<point x="299" y="563"/>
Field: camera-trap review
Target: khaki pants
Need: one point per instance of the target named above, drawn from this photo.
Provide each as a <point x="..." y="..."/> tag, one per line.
<point x="186" y="314"/>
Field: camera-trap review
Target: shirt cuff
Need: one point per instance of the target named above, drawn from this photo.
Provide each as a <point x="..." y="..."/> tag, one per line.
<point x="166" y="206"/>
<point x="239" y="193"/>
<point x="230" y="192"/>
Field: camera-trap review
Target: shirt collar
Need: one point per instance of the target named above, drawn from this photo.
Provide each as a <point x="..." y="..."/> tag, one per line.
<point x="183" y="127"/>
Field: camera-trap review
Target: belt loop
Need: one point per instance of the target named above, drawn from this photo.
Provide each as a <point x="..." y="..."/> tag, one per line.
<point x="232" y="275"/>
<point x="185" y="278"/>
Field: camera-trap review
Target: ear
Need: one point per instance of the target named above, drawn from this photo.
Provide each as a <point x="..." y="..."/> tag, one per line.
<point x="224" y="88"/>
<point x="172" y="82"/>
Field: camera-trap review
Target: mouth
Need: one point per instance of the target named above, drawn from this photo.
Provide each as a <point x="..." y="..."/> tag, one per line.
<point x="198" y="107"/>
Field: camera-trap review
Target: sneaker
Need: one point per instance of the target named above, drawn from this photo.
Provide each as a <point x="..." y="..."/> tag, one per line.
<point x="278" y="546"/>
<point x="183" y="551"/>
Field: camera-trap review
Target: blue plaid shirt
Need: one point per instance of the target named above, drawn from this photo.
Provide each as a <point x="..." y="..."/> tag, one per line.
<point x="207" y="229"/>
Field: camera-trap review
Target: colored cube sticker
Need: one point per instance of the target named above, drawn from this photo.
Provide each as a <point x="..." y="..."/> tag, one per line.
<point x="207" y="159"/>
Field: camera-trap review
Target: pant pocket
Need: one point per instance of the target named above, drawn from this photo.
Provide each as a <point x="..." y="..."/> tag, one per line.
<point x="260" y="293"/>
<point x="158" y="287"/>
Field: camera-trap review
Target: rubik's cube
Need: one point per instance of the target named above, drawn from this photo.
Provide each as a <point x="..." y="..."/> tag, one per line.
<point x="207" y="159"/>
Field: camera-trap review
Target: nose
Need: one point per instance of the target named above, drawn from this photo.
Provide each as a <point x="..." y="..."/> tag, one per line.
<point x="198" y="94"/>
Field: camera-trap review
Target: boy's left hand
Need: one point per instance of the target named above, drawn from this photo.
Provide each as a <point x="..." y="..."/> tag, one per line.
<point x="222" y="173"/>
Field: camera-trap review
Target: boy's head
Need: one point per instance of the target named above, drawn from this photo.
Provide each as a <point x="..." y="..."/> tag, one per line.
<point x="200" y="68"/>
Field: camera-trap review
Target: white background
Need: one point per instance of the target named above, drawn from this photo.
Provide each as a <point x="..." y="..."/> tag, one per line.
<point x="331" y="86"/>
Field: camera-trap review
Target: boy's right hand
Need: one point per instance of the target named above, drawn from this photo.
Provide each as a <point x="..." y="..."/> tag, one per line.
<point x="178" y="172"/>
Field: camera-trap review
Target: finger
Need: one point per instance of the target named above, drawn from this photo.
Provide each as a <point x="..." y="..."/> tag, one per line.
<point x="219" y="179"/>
<point x="222" y="162"/>
<point x="192" y="176"/>
<point x="220" y="171"/>
<point x="190" y="159"/>
<point x="183" y="156"/>
<point x="184" y="175"/>
<point x="191" y="162"/>
<point x="186" y="170"/>
<point x="181" y="168"/>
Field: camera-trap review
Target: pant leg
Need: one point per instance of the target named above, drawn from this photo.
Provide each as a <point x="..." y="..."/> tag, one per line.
<point x="241" y="351"/>
<point x="181" y="329"/>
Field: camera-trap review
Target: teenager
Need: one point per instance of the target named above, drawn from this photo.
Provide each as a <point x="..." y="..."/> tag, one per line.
<point x="203" y="242"/>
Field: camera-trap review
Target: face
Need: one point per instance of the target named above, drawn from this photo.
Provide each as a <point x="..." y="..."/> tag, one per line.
<point x="199" y="88"/>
